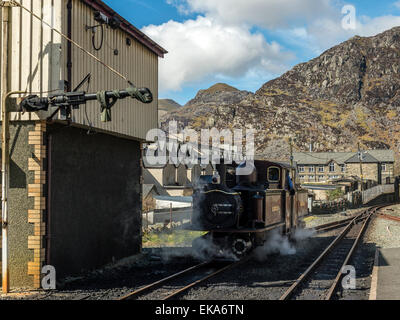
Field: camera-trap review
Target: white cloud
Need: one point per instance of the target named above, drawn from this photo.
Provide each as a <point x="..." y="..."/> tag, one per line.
<point x="204" y="48"/>
<point x="263" y="13"/>
<point x="220" y="43"/>
<point x="397" y="4"/>
<point x="322" y="34"/>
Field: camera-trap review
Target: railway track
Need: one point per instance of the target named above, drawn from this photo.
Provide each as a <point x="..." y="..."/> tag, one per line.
<point x="321" y="279"/>
<point x="334" y="225"/>
<point x="178" y="283"/>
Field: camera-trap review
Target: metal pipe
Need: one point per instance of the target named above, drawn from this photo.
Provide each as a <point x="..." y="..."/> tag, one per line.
<point x="3" y="81"/>
<point x="49" y="193"/>
<point x="69" y="46"/>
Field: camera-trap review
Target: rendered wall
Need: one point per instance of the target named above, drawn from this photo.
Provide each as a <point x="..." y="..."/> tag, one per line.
<point x="19" y="203"/>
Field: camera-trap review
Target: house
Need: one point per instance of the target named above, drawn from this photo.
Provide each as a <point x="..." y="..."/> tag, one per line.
<point x="171" y="180"/>
<point x="148" y="196"/>
<point x="75" y="181"/>
<point x="320" y="167"/>
<point x="174" y="180"/>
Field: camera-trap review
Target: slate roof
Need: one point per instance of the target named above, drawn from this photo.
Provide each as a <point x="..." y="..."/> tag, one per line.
<point x="323" y="158"/>
<point x="373" y="156"/>
<point x="147" y="189"/>
<point x="366" y="158"/>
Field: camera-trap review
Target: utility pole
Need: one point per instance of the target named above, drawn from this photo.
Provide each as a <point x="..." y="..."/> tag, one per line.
<point x="361" y="169"/>
<point x="291" y="156"/>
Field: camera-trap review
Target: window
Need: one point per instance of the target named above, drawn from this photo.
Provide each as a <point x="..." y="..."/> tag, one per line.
<point x="384" y="167"/>
<point x="302" y="177"/>
<point x="301" y="169"/>
<point x="332" y="167"/>
<point x="311" y="169"/>
<point x="321" y="169"/>
<point x="321" y="178"/>
<point x="311" y="177"/>
<point x="343" y="167"/>
<point x="274" y="174"/>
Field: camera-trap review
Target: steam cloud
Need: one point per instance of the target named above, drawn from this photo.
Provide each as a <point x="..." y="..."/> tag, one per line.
<point x="279" y="244"/>
<point x="205" y="249"/>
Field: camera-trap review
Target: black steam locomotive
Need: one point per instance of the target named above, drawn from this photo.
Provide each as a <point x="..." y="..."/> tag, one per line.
<point x="239" y="211"/>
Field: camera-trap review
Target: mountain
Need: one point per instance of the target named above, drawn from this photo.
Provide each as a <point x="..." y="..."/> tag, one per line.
<point x="208" y="104"/>
<point x="165" y="106"/>
<point x="347" y="95"/>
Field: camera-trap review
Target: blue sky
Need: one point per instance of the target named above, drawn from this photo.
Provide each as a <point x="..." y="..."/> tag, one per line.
<point x="246" y="43"/>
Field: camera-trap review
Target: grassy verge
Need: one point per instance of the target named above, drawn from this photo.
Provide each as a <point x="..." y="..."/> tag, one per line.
<point x="169" y="238"/>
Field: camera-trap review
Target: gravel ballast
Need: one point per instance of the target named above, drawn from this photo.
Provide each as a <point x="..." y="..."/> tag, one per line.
<point x="265" y="277"/>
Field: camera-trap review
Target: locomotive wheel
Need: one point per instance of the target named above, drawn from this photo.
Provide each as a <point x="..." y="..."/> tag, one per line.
<point x="240" y="246"/>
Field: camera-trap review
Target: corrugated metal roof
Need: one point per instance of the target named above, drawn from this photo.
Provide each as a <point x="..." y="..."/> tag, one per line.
<point x="320" y="187"/>
<point x="175" y="199"/>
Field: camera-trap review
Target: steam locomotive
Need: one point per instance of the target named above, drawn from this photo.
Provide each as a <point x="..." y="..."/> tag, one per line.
<point x="239" y="210"/>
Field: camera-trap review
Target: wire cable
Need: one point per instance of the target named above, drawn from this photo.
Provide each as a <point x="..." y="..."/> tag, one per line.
<point x="94" y="39"/>
<point x="73" y="42"/>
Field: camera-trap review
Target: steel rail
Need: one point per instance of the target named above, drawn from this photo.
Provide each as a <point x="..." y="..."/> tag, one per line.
<point x="336" y="224"/>
<point x="195" y="283"/>
<point x="162" y="281"/>
<point x="388" y="217"/>
<point x="332" y="289"/>
<point x="316" y="262"/>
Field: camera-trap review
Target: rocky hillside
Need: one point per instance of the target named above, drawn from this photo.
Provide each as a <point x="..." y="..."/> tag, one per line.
<point x="347" y="95"/>
<point x="166" y="106"/>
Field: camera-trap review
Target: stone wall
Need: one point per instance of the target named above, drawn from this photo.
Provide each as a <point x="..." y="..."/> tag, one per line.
<point x="370" y="170"/>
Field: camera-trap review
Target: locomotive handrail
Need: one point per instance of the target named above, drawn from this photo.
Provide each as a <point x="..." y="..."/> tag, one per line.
<point x="221" y="191"/>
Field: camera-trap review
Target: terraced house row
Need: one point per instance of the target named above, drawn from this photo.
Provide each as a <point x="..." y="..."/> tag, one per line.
<point x="376" y="165"/>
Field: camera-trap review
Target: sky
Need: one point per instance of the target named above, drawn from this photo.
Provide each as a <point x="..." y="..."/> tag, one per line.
<point x="246" y="43"/>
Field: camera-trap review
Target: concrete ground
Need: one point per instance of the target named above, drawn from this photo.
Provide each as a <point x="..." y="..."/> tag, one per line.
<point x="385" y="234"/>
<point x="387" y="275"/>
